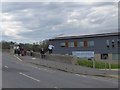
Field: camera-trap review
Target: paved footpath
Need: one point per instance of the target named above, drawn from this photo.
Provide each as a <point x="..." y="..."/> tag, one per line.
<point x="109" y="73"/>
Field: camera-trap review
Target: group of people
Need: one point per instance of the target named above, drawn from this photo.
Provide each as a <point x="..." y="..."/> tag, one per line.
<point x="20" y="51"/>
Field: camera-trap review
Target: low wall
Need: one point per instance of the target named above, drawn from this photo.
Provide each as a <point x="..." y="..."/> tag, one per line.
<point x="5" y="50"/>
<point x="67" y="63"/>
<point x="70" y="68"/>
<point x="56" y="57"/>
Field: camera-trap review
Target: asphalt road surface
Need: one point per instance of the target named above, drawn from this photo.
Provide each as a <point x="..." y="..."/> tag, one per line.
<point x="18" y="74"/>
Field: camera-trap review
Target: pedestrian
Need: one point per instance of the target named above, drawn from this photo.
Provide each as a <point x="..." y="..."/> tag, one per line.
<point x="15" y="50"/>
<point x="42" y="52"/>
<point x="18" y="52"/>
<point x="50" y="48"/>
<point x="31" y="52"/>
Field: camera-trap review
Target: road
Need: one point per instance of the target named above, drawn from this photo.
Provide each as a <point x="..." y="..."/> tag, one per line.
<point x="18" y="74"/>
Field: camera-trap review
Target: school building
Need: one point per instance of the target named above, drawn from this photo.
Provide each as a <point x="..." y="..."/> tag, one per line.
<point x="105" y="46"/>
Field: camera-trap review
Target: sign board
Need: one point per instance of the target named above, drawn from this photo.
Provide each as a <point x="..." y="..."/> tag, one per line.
<point x="83" y="54"/>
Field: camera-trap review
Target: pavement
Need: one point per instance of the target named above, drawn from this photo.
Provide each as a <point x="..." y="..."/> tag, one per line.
<point x="18" y="73"/>
<point x="82" y="70"/>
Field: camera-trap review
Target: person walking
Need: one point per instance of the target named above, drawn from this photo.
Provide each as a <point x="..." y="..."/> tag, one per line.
<point x="50" y="48"/>
<point x="42" y="52"/>
<point x="31" y="52"/>
<point x="18" y="52"/>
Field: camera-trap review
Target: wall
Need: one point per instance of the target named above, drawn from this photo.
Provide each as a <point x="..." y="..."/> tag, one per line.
<point x="100" y="46"/>
<point x="56" y="57"/>
<point x="64" y="66"/>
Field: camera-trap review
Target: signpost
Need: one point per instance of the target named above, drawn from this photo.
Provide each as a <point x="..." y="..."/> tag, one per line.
<point x="85" y="54"/>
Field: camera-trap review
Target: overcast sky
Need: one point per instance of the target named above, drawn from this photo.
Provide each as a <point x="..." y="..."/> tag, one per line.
<point x="36" y="21"/>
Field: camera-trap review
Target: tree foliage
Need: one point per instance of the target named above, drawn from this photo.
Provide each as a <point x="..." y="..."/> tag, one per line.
<point x="35" y="47"/>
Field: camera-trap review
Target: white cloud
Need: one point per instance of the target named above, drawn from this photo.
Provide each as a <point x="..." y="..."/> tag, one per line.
<point x="11" y="27"/>
<point x="38" y="21"/>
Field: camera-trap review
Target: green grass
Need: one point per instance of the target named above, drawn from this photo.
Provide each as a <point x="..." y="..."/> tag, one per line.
<point x="98" y="64"/>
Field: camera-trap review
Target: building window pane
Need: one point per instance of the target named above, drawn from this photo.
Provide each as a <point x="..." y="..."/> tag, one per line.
<point x="91" y="43"/>
<point x="62" y="44"/>
<point x="66" y="44"/>
<point x="75" y="44"/>
<point x="85" y="43"/>
<point x="108" y="43"/>
<point x="118" y="43"/>
<point x="115" y="56"/>
<point x="80" y="44"/>
<point x="71" y="44"/>
<point x="104" y="56"/>
<point x="113" y="43"/>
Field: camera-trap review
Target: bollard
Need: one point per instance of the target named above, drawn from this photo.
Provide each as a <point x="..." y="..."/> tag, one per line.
<point x="93" y="63"/>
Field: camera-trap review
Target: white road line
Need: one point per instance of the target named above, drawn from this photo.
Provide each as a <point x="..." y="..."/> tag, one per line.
<point x="56" y="87"/>
<point x="81" y="75"/>
<point x="29" y="77"/>
<point x="33" y="58"/>
<point x="17" y="58"/>
<point x="6" y="66"/>
<point x="77" y="74"/>
<point x="43" y="69"/>
<point x="35" y="67"/>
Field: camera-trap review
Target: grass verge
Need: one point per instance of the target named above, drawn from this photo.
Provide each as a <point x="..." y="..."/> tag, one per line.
<point x="98" y="64"/>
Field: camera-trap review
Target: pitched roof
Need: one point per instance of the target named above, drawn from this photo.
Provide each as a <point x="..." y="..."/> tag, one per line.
<point x="87" y="36"/>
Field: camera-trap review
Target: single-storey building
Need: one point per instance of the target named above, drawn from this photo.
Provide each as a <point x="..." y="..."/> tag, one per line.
<point x="105" y="46"/>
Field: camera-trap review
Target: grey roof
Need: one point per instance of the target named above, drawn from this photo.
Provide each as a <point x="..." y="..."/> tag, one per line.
<point x="88" y="36"/>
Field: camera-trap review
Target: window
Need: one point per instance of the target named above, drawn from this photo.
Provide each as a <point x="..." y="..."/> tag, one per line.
<point x="66" y="44"/>
<point x="91" y="43"/>
<point x="85" y="43"/>
<point x="113" y="43"/>
<point x="71" y="44"/>
<point x="118" y="43"/>
<point x="108" y="43"/>
<point x="75" y="44"/>
<point x="62" y="44"/>
<point x="115" y="56"/>
<point x="104" y="56"/>
<point x="80" y="44"/>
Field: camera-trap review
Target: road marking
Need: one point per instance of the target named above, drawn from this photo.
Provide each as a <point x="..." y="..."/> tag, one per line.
<point x="43" y="69"/>
<point x="33" y="58"/>
<point x="81" y="75"/>
<point x="6" y="66"/>
<point x="29" y="77"/>
<point x="35" y="67"/>
<point x="77" y="74"/>
<point x="57" y="88"/>
<point x="17" y="58"/>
